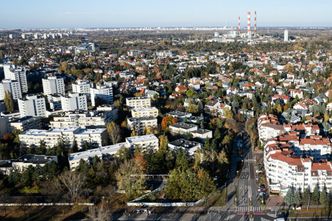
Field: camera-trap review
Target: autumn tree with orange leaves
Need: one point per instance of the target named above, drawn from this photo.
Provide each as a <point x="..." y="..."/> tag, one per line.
<point x="167" y="121"/>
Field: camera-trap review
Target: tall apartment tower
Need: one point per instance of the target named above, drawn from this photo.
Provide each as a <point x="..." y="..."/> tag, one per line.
<point x="32" y="105"/>
<point x="74" y="102"/>
<point x="103" y="93"/>
<point x="53" y="85"/>
<point x="286" y="36"/>
<point x="82" y="87"/>
<point x="17" y="74"/>
<point x="12" y="87"/>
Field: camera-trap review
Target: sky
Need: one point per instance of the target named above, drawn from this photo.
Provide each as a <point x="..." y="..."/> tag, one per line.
<point x="161" y="13"/>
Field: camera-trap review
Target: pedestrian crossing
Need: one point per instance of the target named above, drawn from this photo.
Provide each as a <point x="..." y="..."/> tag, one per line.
<point x="248" y="209"/>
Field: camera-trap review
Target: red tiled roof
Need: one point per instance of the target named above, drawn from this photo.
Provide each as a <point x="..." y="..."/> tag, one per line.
<point x="282" y="156"/>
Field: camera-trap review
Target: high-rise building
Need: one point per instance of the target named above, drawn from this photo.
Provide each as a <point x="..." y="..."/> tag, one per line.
<point x="53" y="85"/>
<point x="102" y="92"/>
<point x="16" y="74"/>
<point x="33" y="105"/>
<point x="12" y="87"/>
<point x="82" y="87"/>
<point x="74" y="102"/>
<point x="286" y="36"/>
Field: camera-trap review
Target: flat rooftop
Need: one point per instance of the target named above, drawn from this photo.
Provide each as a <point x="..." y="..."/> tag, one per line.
<point x="111" y="149"/>
<point x="187" y="144"/>
<point x="138" y="139"/>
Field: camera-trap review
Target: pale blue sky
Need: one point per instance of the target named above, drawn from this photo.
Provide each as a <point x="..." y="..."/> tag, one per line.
<point x="133" y="13"/>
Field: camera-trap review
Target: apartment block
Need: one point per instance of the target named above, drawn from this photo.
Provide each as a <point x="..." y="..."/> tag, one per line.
<point x="34" y="106"/>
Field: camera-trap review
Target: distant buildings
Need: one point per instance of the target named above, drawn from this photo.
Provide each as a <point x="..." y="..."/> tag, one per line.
<point x="53" y="85"/>
<point x="286" y="39"/>
<point x="33" y="105"/>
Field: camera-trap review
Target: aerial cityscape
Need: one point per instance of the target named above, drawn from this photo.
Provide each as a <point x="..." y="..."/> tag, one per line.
<point x="166" y="110"/>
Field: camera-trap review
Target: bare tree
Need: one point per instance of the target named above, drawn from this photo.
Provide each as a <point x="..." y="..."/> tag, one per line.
<point x="100" y="213"/>
<point x="114" y="132"/>
<point x="73" y="182"/>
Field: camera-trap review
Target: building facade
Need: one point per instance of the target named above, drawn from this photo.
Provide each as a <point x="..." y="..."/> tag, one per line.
<point x="34" y="106"/>
<point x="10" y="86"/>
<point x="53" y="85"/>
<point x="74" y="102"/>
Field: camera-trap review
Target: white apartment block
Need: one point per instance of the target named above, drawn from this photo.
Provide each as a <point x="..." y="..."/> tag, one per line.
<point x="80" y="120"/>
<point x="81" y="87"/>
<point x="104" y="93"/>
<point x="138" y="102"/>
<point x="27" y="160"/>
<point x="53" y="85"/>
<point x="74" y="102"/>
<point x="34" y="106"/>
<point x="145" y="142"/>
<point x="284" y="171"/>
<point x="12" y="87"/>
<point x="268" y="127"/>
<point x="144" y="112"/>
<point x="75" y="158"/>
<point x="140" y="125"/>
<point x="202" y="134"/>
<point x="183" y="128"/>
<point x="51" y="138"/>
<point x="26" y="123"/>
<point x="16" y="74"/>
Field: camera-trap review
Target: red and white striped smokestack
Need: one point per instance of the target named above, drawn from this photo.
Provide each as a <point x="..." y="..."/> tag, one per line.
<point x="239" y="25"/>
<point x="255" y="28"/>
<point x="249" y="23"/>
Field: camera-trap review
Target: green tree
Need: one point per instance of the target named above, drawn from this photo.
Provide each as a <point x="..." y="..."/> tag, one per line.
<point x="130" y="178"/>
<point x="290" y="196"/>
<point x="188" y="185"/>
<point x="315" y="195"/>
<point x="182" y="161"/>
<point x="9" y="103"/>
<point x="323" y="197"/>
<point x="114" y="132"/>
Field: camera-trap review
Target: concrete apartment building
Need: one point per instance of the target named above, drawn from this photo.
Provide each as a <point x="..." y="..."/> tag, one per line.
<point x="145" y="142"/>
<point x="95" y="137"/>
<point x="73" y="102"/>
<point x="144" y="112"/>
<point x="86" y="119"/>
<point x="33" y="105"/>
<point x="18" y="74"/>
<point x="81" y="87"/>
<point x="53" y="85"/>
<point x="102" y="92"/>
<point x="138" y="102"/>
<point x="10" y="86"/>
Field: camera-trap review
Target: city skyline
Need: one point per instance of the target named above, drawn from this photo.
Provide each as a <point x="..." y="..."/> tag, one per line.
<point x="147" y="13"/>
